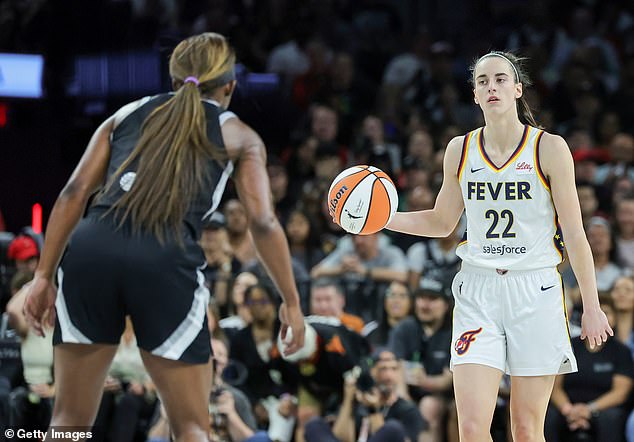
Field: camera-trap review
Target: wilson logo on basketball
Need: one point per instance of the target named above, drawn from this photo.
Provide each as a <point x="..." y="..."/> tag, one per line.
<point x="333" y="202"/>
<point x="464" y="341"/>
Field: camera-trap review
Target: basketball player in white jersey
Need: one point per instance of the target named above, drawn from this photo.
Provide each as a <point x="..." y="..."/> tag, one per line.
<point x="516" y="184"/>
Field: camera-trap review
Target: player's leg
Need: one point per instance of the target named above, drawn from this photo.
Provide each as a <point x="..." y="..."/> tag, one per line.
<point x="476" y="388"/>
<point x="478" y="353"/>
<point x="529" y="401"/>
<point x="538" y="348"/>
<point x="184" y="391"/>
<point x="80" y="373"/>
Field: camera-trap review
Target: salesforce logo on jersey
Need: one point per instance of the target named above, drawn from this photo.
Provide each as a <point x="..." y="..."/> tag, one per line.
<point x="503" y="250"/>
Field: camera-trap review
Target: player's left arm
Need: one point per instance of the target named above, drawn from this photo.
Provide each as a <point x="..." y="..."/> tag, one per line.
<point x="556" y="162"/>
<point x="87" y="178"/>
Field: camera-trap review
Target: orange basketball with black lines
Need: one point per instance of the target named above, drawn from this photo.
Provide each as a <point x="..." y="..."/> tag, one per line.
<point x="362" y="199"/>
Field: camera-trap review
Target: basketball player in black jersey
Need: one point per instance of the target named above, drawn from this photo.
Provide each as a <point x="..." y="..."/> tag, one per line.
<point x="162" y="164"/>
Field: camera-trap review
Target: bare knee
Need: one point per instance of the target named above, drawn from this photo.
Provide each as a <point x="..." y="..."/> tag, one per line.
<point x="433" y="410"/>
<point x="527" y="430"/>
<point x="190" y="432"/>
<point x="472" y="430"/>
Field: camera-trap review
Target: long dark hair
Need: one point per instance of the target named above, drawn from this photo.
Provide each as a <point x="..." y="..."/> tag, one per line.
<point x="173" y="150"/>
<point x="520" y="75"/>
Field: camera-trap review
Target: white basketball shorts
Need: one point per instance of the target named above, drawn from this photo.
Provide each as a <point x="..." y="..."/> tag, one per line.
<point x="514" y="321"/>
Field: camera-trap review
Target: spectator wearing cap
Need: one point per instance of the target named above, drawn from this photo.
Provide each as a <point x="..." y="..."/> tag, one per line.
<point x="424" y="341"/>
<point x="25" y="252"/>
<point x="222" y="266"/>
<point x="587" y="162"/>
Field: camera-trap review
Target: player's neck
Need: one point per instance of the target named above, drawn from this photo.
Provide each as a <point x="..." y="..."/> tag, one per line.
<point x="503" y="134"/>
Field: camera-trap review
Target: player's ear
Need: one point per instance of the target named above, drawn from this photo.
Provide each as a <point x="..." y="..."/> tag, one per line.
<point x="519" y="90"/>
<point x="475" y="98"/>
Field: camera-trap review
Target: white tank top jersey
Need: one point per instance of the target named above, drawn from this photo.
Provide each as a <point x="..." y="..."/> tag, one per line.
<point x="511" y="220"/>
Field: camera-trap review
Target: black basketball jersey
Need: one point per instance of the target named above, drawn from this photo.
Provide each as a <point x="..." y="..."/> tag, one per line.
<point x="124" y="139"/>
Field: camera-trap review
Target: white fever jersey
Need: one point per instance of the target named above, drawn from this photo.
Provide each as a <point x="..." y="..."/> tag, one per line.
<point x="511" y="221"/>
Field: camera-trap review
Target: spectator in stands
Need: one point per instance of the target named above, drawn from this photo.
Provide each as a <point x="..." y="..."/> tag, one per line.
<point x="372" y="147"/>
<point x="434" y="259"/>
<point x="621" y="152"/>
<point x="308" y="85"/>
<point x="284" y="197"/>
<point x="599" y="234"/>
<point x="238" y="229"/>
<point x="241" y="313"/>
<point x="222" y="266"/>
<point x="623" y="298"/>
<point x="624" y="221"/>
<point x="588" y="201"/>
<point x="328" y="299"/>
<point x="601" y="242"/>
<point x="371" y="408"/>
<point x="324" y="126"/>
<point x="239" y="420"/>
<point x="331" y="350"/>
<point x="364" y="265"/>
<point x="301" y="162"/>
<point x="420" y="148"/>
<point x="348" y="91"/>
<point x="424" y="341"/>
<point x="25" y="252"/>
<point x="255" y="347"/>
<point x="397" y="305"/>
<point x="591" y="400"/>
<point x="303" y="239"/>
<point x="213" y="323"/>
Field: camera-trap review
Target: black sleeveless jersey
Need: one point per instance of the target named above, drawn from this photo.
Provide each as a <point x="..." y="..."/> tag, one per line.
<point x="124" y="139"/>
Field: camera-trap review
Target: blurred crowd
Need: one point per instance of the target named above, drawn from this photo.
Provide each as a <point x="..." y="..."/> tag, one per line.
<point x="374" y="82"/>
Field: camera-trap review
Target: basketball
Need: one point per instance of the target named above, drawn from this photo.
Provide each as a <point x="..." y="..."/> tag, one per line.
<point x="362" y="199"/>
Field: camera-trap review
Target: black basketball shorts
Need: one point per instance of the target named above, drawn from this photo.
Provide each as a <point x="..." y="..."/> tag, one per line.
<point x="107" y="274"/>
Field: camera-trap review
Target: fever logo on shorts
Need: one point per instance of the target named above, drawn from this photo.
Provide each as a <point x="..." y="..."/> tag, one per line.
<point x="465" y="340"/>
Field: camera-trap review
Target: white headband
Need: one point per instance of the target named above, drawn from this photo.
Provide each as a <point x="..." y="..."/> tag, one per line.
<point x="497" y="54"/>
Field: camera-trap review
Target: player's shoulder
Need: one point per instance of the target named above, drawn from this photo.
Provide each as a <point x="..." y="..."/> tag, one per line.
<point x="123" y="112"/>
<point x="552" y="145"/>
<point x="457" y="143"/>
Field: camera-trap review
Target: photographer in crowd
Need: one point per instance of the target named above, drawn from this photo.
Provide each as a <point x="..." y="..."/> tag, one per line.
<point x="230" y="414"/>
<point x="371" y="409"/>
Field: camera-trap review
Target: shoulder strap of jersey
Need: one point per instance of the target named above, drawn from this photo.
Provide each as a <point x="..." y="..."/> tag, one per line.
<point x="465" y="152"/>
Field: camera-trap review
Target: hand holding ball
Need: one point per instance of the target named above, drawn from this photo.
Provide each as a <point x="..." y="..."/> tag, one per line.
<point x="362" y="200"/>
